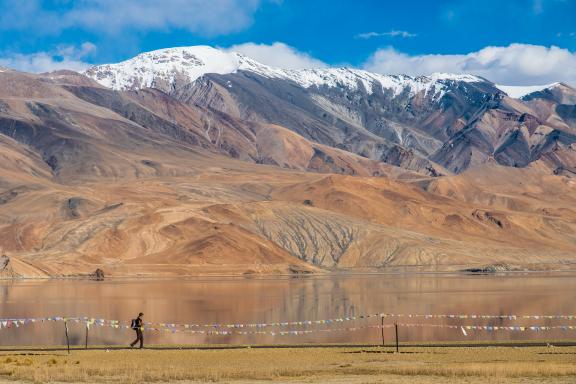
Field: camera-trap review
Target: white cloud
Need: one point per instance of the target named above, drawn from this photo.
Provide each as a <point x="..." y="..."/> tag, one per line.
<point x="392" y="33"/>
<point x="63" y="57"/>
<point x="278" y="55"/>
<point x="208" y="17"/>
<point x="516" y="64"/>
<point x="85" y="49"/>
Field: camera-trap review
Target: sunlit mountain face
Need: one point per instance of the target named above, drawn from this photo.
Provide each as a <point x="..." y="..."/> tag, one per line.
<point x="196" y="160"/>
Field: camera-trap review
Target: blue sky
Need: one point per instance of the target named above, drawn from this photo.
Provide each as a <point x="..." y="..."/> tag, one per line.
<point x="512" y="41"/>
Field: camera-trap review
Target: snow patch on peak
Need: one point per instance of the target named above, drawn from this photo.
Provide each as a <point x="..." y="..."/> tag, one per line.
<point x="519" y="91"/>
<point x="146" y="69"/>
<point x="456" y="77"/>
<point x="350" y="78"/>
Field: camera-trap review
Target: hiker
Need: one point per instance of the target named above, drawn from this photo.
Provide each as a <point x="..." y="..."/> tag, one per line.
<point x="138" y="325"/>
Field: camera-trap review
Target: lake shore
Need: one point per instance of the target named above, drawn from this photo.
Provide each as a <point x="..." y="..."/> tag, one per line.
<point x="347" y="364"/>
<point x="461" y="270"/>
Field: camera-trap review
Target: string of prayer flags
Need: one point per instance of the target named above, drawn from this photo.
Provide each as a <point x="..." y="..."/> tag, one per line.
<point x="173" y="327"/>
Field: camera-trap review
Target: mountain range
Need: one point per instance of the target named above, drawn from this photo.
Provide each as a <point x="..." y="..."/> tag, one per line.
<point x="438" y="124"/>
<point x="196" y="160"/>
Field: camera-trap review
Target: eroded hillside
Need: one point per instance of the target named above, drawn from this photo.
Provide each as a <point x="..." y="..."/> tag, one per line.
<point x="142" y="183"/>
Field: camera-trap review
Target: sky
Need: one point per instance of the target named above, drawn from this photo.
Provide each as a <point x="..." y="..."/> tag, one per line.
<point x="513" y="42"/>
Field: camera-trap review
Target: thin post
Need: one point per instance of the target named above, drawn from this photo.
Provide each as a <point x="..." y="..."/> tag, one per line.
<point x="382" y="330"/>
<point x="86" y="346"/>
<point x="67" y="338"/>
<point x="397" y="346"/>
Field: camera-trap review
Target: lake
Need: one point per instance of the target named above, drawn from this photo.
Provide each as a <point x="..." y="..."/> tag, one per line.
<point x="285" y="299"/>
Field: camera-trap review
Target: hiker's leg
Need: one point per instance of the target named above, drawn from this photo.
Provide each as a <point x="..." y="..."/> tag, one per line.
<point x="141" y="336"/>
<point x="135" y="341"/>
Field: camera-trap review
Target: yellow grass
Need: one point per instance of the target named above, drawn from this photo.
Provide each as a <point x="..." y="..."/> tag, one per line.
<point x="296" y="365"/>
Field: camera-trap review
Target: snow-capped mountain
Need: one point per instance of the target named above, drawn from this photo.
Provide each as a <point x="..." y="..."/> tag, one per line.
<point x="171" y="68"/>
<point x="434" y="124"/>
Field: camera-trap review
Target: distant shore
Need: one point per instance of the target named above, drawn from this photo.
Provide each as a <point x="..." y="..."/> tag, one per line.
<point x="470" y="271"/>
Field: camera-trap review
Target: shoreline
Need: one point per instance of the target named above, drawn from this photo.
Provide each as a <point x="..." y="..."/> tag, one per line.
<point x="265" y="276"/>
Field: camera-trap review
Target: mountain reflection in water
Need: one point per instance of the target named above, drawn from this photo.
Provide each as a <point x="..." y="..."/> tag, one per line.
<point x="278" y="299"/>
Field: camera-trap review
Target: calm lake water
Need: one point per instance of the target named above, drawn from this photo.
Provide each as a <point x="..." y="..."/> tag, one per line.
<point x="279" y="299"/>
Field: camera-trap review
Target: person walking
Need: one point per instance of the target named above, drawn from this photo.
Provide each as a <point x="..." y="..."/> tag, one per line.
<point x="138" y="326"/>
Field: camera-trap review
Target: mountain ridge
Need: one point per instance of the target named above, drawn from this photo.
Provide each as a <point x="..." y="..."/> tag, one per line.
<point x="196" y="61"/>
<point x="143" y="70"/>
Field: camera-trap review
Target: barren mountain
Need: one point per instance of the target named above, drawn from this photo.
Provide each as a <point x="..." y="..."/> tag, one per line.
<point x="237" y="168"/>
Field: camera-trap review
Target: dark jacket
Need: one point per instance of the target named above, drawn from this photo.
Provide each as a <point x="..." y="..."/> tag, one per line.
<point x="138" y="323"/>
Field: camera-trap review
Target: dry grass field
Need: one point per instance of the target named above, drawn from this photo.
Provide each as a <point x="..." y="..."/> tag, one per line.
<point x="296" y="365"/>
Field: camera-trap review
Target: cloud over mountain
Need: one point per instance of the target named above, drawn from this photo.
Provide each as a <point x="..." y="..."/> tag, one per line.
<point x="63" y="57"/>
<point x="517" y="64"/>
<point x="278" y="55"/>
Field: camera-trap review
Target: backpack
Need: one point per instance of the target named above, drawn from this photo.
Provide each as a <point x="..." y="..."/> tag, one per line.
<point x="134" y="324"/>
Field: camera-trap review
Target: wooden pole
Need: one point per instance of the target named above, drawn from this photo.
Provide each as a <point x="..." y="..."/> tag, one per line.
<point x="67" y="338"/>
<point x="397" y="346"/>
<point x="86" y="346"/>
<point x="382" y="330"/>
